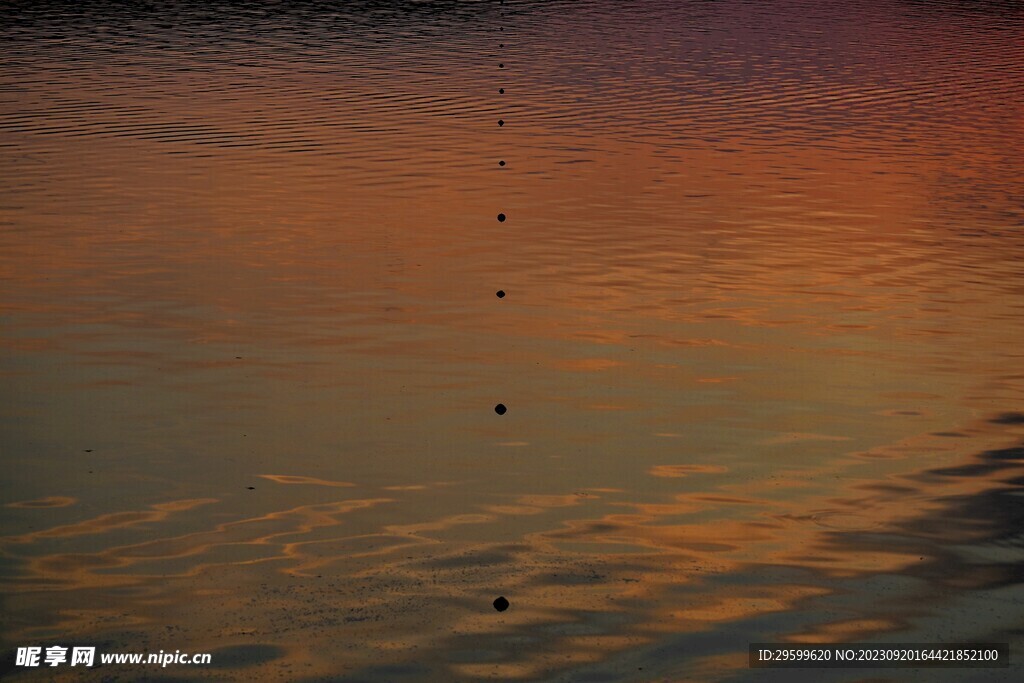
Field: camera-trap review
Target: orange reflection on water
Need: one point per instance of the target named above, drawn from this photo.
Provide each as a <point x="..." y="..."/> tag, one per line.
<point x="666" y="582"/>
<point x="761" y="296"/>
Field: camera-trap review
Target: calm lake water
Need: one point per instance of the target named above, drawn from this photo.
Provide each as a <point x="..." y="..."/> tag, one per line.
<point x="760" y="342"/>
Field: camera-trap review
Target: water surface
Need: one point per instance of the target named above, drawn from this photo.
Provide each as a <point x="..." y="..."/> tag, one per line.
<point x="760" y="344"/>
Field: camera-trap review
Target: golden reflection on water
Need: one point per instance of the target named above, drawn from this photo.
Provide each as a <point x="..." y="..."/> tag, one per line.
<point x="758" y="344"/>
<point x="399" y="590"/>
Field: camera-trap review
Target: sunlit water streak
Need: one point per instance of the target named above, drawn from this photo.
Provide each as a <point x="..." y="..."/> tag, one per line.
<point x="760" y="346"/>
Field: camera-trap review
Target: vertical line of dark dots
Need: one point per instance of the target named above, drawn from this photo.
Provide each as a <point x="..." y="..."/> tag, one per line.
<point x="501" y="603"/>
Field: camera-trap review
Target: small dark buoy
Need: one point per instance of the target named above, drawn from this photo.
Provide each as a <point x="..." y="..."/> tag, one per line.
<point x="500" y="409"/>
<point x="501" y="604"/>
<point x="88" y="450"/>
<point x="501" y="163"/>
<point x="500" y="294"/>
<point x="500" y="122"/>
<point x="501" y="218"/>
<point x="251" y="488"/>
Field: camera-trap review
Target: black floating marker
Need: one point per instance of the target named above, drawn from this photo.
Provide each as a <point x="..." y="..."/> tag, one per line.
<point x="501" y="91"/>
<point x="501" y="163"/>
<point x="500" y="122"/>
<point x="501" y="604"/>
<point x="500" y="409"/>
<point x="501" y="218"/>
<point x="501" y="66"/>
<point x="500" y="294"/>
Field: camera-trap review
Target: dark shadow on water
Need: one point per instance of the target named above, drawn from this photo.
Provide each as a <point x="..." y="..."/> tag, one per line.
<point x="952" y="570"/>
<point x="302" y="16"/>
<point x="993" y="518"/>
<point x="381" y="673"/>
<point x="1009" y="419"/>
<point x="238" y="656"/>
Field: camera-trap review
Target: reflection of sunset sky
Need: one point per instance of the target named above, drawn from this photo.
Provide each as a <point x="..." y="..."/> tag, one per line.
<point x="657" y="572"/>
<point x="762" y="282"/>
<point x="799" y="306"/>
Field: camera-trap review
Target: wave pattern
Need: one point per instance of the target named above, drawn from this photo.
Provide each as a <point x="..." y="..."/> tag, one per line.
<point x="759" y="343"/>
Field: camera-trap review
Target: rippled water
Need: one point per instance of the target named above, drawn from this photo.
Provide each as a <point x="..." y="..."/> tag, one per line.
<point x="760" y="344"/>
